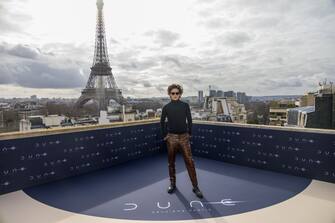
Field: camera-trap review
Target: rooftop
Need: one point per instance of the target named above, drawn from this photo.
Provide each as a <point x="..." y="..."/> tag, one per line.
<point x="118" y="172"/>
<point x="306" y="109"/>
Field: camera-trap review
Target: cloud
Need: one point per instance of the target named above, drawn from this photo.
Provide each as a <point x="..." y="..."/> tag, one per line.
<point x="258" y="46"/>
<point x="292" y="83"/>
<point x="234" y="38"/>
<point x="25" y="51"/>
<point x="137" y="64"/>
<point x="164" y="38"/>
<point x="11" y="19"/>
<point x="40" y="75"/>
<point x="261" y="22"/>
<point x="173" y="60"/>
<point x="216" y="23"/>
<point x="28" y="66"/>
<point x="147" y="84"/>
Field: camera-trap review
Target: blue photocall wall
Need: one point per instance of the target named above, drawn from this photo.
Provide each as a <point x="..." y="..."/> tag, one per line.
<point x="301" y="153"/>
<point x="35" y="160"/>
<point x="29" y="161"/>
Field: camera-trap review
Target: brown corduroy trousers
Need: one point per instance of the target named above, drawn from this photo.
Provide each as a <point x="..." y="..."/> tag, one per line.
<point x="175" y="142"/>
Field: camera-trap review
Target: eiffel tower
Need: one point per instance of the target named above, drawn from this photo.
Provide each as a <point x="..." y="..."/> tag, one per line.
<point x="101" y="85"/>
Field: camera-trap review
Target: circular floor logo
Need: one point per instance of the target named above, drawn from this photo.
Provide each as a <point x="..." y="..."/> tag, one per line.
<point x="138" y="190"/>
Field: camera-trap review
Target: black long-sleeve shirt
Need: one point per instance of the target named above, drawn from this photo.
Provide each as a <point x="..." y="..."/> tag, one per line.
<point x="177" y="112"/>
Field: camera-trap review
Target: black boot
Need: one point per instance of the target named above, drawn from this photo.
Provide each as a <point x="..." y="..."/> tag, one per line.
<point x="197" y="192"/>
<point x="171" y="188"/>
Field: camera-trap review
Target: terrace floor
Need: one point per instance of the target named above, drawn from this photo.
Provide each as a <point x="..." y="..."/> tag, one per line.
<point x="136" y="191"/>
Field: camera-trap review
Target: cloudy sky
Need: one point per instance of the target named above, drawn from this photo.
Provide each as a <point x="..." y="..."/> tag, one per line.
<point x="261" y="47"/>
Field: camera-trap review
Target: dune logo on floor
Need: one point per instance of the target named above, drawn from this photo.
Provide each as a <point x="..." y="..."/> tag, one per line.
<point x="232" y="190"/>
<point x="223" y="202"/>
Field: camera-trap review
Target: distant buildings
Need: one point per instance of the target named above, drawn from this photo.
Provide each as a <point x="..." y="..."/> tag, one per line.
<point x="150" y="113"/>
<point x="4" y="106"/>
<point x="303" y="117"/>
<point x="103" y="117"/>
<point x="212" y="93"/>
<point x="191" y="99"/>
<point x="33" y="97"/>
<point x="25" y="125"/>
<point x="278" y="116"/>
<point x="325" y="108"/>
<point x="40" y="121"/>
<point x="120" y="113"/>
<point x="222" y="106"/>
<point x="267" y="99"/>
<point x="2" y="124"/>
<point x="230" y="94"/>
<point x="219" y="93"/>
<point x="315" y="110"/>
<point x="307" y="100"/>
<point x="30" y="113"/>
<point x="200" y="96"/>
<point x="319" y="112"/>
<point x="28" y="108"/>
<point x="278" y="112"/>
<point x="242" y="98"/>
<point x="225" y="109"/>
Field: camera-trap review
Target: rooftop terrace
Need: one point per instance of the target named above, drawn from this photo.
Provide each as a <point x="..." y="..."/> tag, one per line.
<point x="118" y="173"/>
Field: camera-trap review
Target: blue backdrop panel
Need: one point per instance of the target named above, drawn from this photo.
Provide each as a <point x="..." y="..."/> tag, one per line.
<point x="306" y="154"/>
<point x="35" y="160"/>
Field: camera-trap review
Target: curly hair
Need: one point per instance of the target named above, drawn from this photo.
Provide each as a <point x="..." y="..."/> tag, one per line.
<point x="172" y="86"/>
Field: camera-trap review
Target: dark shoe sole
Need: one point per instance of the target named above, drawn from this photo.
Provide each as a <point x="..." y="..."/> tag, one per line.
<point x="201" y="196"/>
<point x="171" y="191"/>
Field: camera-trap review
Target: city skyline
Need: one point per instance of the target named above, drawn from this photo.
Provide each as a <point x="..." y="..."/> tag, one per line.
<point x="258" y="47"/>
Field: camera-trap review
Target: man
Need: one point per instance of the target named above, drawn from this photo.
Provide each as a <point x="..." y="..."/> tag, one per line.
<point x="177" y="136"/>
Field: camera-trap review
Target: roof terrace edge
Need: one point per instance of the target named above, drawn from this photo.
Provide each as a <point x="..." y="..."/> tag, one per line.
<point x="69" y="129"/>
<point x="271" y="127"/>
<point x="60" y="130"/>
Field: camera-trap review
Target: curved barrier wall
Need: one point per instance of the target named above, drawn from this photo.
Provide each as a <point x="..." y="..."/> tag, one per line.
<point x="42" y="156"/>
<point x="298" y="151"/>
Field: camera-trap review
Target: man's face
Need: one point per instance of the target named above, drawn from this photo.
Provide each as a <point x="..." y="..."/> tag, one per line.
<point x="174" y="94"/>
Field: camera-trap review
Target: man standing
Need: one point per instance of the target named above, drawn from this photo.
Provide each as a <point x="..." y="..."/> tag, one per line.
<point x="178" y="136"/>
